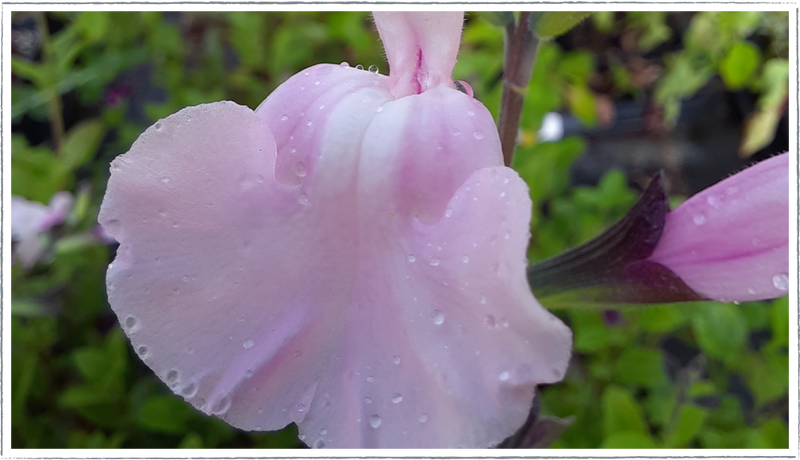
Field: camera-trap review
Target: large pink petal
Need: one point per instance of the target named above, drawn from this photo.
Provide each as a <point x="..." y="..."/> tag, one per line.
<point x="362" y="273"/>
<point x="731" y="241"/>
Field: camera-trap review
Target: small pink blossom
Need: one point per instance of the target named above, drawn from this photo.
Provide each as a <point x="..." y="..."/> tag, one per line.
<point x="350" y="256"/>
<point x="731" y="241"/>
<point x="29" y="219"/>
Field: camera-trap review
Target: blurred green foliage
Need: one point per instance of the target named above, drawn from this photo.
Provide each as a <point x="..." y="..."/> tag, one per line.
<point x="75" y="380"/>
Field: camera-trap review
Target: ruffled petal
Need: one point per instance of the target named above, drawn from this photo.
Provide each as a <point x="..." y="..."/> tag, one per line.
<point x="354" y="265"/>
<point x="731" y="241"/>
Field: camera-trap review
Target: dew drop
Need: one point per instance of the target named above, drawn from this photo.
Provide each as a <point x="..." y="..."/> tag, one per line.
<point x="490" y="321"/>
<point x="319" y="444"/>
<point x="359" y="67"/>
<point x="301" y="407"/>
<point x="172" y="376"/>
<point x="302" y="199"/>
<point x="379" y="109"/>
<point x="434" y="261"/>
<point x="713" y="201"/>
<point x="465" y="259"/>
<point x="284" y="117"/>
<point x="752" y="291"/>
<point x="483" y="300"/>
<point x="300" y="169"/>
<point x="373" y="68"/>
<point x="158" y="126"/>
<point x="370" y="379"/>
<point x="439" y="146"/>
<point x="185" y="279"/>
<point x="301" y="437"/>
<point x="478" y="135"/>
<point x="248" y="344"/>
<point x="699" y="219"/>
<point x="367" y="400"/>
<point x="412" y="258"/>
<point x="781" y="281"/>
<point x="248" y="373"/>
<point x="437" y="317"/>
<point x="165" y="180"/>
<point x="504" y="376"/>
<point x="221" y="406"/>
<point x="142" y="350"/>
<point x="309" y="123"/>
<point x="448" y="212"/>
<point x="756" y="242"/>
<point x="189" y="390"/>
<point x="344" y="64"/>
<point x="423" y="418"/>
<point x="130" y="322"/>
<point x="504" y="322"/>
<point x="397" y="398"/>
<point x="375" y="421"/>
<point x="396" y="360"/>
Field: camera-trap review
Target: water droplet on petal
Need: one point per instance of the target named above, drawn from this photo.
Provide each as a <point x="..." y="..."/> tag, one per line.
<point x="699" y="219"/>
<point x="437" y="317"/>
<point x="465" y="259"/>
<point x="373" y="68"/>
<point x="504" y="376"/>
<point x="323" y="432"/>
<point x="189" y="390"/>
<point x="490" y="321"/>
<point x="396" y="360"/>
<point x="300" y="169"/>
<point x="397" y="398"/>
<point x="158" y="126"/>
<point x="434" y="261"/>
<point x="302" y="199"/>
<point x="248" y="344"/>
<point x="375" y="421"/>
<point x="344" y="64"/>
<point x="367" y="400"/>
<point x="172" y="376"/>
<point x="165" y="180"/>
<point x="359" y="67"/>
<point x="478" y="135"/>
<point x="412" y="258"/>
<point x="370" y="379"/>
<point x="423" y="418"/>
<point x="752" y="291"/>
<point x="448" y="212"/>
<point x="130" y="322"/>
<point x="284" y="117"/>
<point x="248" y="373"/>
<point x="142" y="351"/>
<point x="781" y="281"/>
<point x="483" y="300"/>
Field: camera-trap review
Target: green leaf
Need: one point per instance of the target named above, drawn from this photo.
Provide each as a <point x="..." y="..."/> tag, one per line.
<point x="721" y="330"/>
<point x="166" y="414"/>
<point x="628" y="440"/>
<point x="551" y="24"/>
<point x="582" y="104"/>
<point x="739" y="64"/>
<point x="497" y="18"/>
<point x="759" y="131"/>
<point x="28" y="308"/>
<point x="641" y="366"/>
<point x="690" y="420"/>
<point x="35" y="72"/>
<point x="81" y="143"/>
<point x="661" y="318"/>
<point x="191" y="441"/>
<point x="621" y="413"/>
<point x="779" y="321"/>
<point x="93" y="24"/>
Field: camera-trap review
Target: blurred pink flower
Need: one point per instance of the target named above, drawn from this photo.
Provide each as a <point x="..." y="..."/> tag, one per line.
<point x="349" y="257"/>
<point x="29" y="219"/>
<point x="731" y="241"/>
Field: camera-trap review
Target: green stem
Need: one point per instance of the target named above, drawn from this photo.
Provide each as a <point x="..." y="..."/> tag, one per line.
<point x="520" y="56"/>
<point x="54" y="101"/>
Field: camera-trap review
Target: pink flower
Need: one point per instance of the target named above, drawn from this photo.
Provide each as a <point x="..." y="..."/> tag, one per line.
<point x="29" y="219"/>
<point x="731" y="241"/>
<point x="349" y="257"/>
